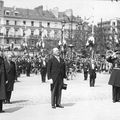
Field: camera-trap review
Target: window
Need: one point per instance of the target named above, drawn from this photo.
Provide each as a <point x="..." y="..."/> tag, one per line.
<point x="16" y="13"/>
<point x="113" y="23"/>
<point x="32" y="23"/>
<point x="15" y="22"/>
<point x="7" y="22"/>
<point x="7" y="41"/>
<point x="7" y="32"/>
<point x="32" y="32"/>
<point x="7" y="12"/>
<point x="32" y="42"/>
<point x="40" y="24"/>
<point x="48" y="24"/>
<point x="24" y="22"/>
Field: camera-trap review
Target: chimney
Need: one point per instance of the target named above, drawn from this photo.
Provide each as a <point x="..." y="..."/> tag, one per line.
<point x="39" y="9"/>
<point x="55" y="11"/>
<point x="1" y="7"/>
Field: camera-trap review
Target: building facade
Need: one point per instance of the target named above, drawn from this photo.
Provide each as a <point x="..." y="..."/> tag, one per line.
<point x="18" y="25"/>
<point x="111" y="31"/>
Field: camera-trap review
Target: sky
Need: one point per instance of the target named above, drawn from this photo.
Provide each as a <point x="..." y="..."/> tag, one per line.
<point x="100" y="9"/>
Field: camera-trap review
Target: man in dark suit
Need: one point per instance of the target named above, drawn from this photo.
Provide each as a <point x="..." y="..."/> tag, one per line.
<point x="3" y="80"/>
<point x="28" y="67"/>
<point x="56" y="72"/>
<point x="92" y="72"/>
<point x="43" y="69"/>
<point x="85" y="69"/>
<point x="11" y="77"/>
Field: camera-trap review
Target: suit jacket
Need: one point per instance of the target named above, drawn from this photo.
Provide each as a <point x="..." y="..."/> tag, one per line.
<point x="56" y="71"/>
<point x="43" y="68"/>
<point x="92" y="71"/>
<point x="3" y="79"/>
<point x="11" y="75"/>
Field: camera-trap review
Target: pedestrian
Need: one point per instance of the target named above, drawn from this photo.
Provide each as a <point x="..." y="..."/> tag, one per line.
<point x="3" y="80"/>
<point x="11" y="77"/>
<point x="92" y="72"/>
<point x="56" y="72"/>
<point x="28" y="67"/>
<point x="115" y="75"/>
<point x="43" y="69"/>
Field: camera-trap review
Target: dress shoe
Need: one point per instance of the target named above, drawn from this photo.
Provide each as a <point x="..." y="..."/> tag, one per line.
<point x="2" y="111"/>
<point x="53" y="107"/>
<point x="60" y="106"/>
<point x="8" y="102"/>
<point x="114" y="101"/>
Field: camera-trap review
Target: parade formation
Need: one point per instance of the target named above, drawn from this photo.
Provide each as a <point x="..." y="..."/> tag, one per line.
<point x="71" y="47"/>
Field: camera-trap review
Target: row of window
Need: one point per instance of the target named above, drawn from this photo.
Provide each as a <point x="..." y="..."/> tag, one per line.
<point x="24" y="23"/>
<point x="8" y="13"/>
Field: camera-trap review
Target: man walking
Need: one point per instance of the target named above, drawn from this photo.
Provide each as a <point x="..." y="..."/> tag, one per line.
<point x="56" y="72"/>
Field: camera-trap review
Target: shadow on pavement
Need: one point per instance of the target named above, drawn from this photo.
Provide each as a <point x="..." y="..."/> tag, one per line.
<point x="68" y="104"/>
<point x="11" y="110"/>
<point x="19" y="101"/>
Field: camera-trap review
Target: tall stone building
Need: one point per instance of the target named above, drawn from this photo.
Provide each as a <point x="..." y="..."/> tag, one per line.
<point x="18" y="25"/>
<point x="110" y="31"/>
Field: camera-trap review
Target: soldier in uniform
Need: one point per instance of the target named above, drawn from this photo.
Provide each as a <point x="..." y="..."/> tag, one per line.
<point x="115" y="75"/>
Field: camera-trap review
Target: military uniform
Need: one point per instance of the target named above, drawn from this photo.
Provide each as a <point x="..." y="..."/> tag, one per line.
<point x="115" y="78"/>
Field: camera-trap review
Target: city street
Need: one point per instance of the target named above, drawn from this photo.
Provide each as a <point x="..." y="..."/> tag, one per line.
<point x="31" y="100"/>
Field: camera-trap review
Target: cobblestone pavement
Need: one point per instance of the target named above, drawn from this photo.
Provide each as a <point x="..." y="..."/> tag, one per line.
<point x="31" y="100"/>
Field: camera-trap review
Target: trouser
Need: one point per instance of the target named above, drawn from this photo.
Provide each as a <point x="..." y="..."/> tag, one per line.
<point x="92" y="82"/>
<point x="8" y="95"/>
<point x="27" y="73"/>
<point x="56" y="96"/>
<point x="116" y="93"/>
<point x="43" y="77"/>
<point x="1" y="105"/>
<point x="85" y="75"/>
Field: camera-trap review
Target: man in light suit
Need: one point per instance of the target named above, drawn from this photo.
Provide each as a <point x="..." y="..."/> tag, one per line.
<point x="56" y="72"/>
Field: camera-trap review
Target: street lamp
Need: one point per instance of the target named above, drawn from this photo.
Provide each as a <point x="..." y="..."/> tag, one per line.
<point x="90" y="43"/>
<point x="62" y="42"/>
<point x="71" y="50"/>
<point x="25" y="47"/>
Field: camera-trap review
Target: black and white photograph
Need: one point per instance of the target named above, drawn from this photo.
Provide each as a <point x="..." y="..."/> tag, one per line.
<point x="59" y="60"/>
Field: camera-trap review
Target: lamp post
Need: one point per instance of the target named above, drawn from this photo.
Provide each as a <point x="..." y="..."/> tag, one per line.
<point x="25" y="47"/>
<point x="71" y="50"/>
<point x="62" y="42"/>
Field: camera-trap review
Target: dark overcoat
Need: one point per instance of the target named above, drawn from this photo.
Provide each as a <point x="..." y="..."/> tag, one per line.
<point x="56" y="71"/>
<point x="11" y="75"/>
<point x="3" y="79"/>
<point x="92" y="72"/>
<point x="115" y="75"/>
<point x="43" y="69"/>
